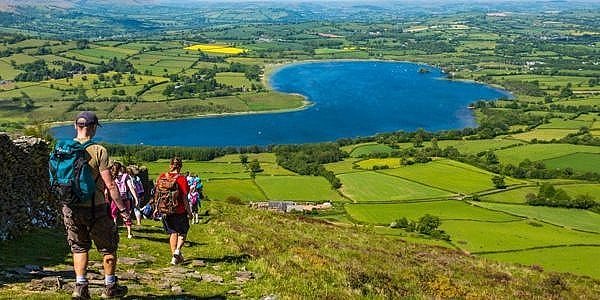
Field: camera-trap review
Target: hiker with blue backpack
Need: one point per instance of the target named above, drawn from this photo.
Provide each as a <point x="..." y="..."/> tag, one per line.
<point x="79" y="175"/>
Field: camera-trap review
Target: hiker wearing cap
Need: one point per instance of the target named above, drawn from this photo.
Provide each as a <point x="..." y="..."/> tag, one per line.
<point x="170" y="200"/>
<point x="88" y="220"/>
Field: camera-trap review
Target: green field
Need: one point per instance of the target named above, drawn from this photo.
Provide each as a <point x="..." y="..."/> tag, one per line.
<point x="203" y="169"/>
<point x="344" y="166"/>
<point x="582" y="162"/>
<point x="476" y="236"/>
<point x="449" y="175"/>
<point x="574" y="259"/>
<point x="384" y="214"/>
<point x="297" y="188"/>
<point x="373" y="186"/>
<point x="511" y="196"/>
<point x="537" y="152"/>
<point x="543" y="134"/>
<point x="570" y="218"/>
<point x="370" y="163"/>
<point x="565" y="124"/>
<point x="368" y="149"/>
<point x="233" y="79"/>
<point x="235" y="158"/>
<point x="221" y="189"/>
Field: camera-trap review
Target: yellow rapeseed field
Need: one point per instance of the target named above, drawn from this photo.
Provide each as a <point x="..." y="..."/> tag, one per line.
<point x="217" y="49"/>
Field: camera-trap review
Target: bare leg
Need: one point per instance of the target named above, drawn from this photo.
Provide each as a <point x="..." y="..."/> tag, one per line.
<point x="80" y="261"/>
<point x="180" y="241"/>
<point x="173" y="242"/>
<point x="110" y="263"/>
<point x="129" y="231"/>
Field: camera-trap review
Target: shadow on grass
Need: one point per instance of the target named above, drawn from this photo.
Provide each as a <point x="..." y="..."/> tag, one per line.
<point x="24" y="257"/>
<point x="149" y="230"/>
<point x="242" y="258"/>
<point x="181" y="296"/>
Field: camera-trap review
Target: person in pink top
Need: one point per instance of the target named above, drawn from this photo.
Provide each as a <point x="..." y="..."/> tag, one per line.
<point x="127" y="192"/>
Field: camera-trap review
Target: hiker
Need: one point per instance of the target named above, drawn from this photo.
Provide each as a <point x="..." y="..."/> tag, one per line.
<point x="194" y="199"/>
<point x="85" y="212"/>
<point x="127" y="192"/>
<point x="138" y="188"/>
<point x="170" y="200"/>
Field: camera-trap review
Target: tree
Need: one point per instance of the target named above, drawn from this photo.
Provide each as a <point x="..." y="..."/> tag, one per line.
<point x="254" y="166"/>
<point x="499" y="182"/>
<point x="244" y="159"/>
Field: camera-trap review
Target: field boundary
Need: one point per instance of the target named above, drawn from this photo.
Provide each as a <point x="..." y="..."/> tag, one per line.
<point x="531" y="218"/>
<point x="535" y="248"/>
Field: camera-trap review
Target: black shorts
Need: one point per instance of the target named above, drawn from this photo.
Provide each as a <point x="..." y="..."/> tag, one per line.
<point x="176" y="223"/>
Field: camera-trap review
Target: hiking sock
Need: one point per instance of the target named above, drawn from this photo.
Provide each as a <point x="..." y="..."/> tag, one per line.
<point x="177" y="252"/>
<point x="81" y="279"/>
<point x="110" y="279"/>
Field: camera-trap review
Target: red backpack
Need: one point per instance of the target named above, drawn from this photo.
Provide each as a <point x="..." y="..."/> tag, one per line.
<point x="166" y="197"/>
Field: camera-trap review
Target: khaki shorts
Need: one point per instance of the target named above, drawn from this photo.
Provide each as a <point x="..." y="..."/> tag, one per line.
<point x="83" y="228"/>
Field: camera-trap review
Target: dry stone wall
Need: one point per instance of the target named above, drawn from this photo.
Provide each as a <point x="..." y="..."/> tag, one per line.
<point x="25" y="201"/>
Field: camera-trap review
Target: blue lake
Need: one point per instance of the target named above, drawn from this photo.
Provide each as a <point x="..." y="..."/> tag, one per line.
<point x="350" y="99"/>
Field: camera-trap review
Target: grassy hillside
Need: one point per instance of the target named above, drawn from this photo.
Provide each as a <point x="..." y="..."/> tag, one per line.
<point x="293" y="258"/>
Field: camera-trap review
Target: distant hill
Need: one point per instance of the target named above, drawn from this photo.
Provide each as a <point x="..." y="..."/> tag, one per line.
<point x="11" y="5"/>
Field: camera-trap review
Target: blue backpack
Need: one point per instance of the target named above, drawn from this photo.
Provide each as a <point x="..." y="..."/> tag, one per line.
<point x="71" y="179"/>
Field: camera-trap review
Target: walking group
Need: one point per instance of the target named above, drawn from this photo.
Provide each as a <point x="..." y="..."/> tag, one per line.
<point x="96" y="195"/>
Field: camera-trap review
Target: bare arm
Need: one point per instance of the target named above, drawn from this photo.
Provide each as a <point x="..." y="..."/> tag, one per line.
<point x="112" y="189"/>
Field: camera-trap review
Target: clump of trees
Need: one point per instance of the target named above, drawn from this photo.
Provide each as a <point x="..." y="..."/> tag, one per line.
<point x="39" y="70"/>
<point x="153" y="153"/>
<point x="427" y="225"/>
<point x="308" y="159"/>
<point x="548" y="195"/>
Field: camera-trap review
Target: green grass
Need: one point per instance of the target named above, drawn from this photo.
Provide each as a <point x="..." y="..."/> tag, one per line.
<point x="582" y="189"/>
<point x="476" y="146"/>
<point x="537" y="152"/>
<point x="344" y="166"/>
<point x="203" y="169"/>
<point x="235" y="158"/>
<point x="582" y="162"/>
<point x="384" y="214"/>
<point x="297" y="188"/>
<point x="233" y="79"/>
<point x="7" y="72"/>
<point x="269" y="169"/>
<point x="574" y="259"/>
<point x="449" y="175"/>
<point x="294" y="259"/>
<point x="565" y="124"/>
<point x="477" y="236"/>
<point x="570" y="218"/>
<point x="543" y="134"/>
<point x="34" y="92"/>
<point x="511" y="196"/>
<point x="368" y="149"/>
<point x="370" y="163"/>
<point x="244" y="189"/>
<point x="271" y="101"/>
<point x="19" y="59"/>
<point x="373" y="186"/>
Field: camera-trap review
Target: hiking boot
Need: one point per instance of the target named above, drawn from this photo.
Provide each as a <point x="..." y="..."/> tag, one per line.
<point x="81" y="292"/>
<point x="177" y="259"/>
<point x="114" y="291"/>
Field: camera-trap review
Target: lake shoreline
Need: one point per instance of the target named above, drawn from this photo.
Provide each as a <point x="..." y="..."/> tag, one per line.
<point x="270" y="70"/>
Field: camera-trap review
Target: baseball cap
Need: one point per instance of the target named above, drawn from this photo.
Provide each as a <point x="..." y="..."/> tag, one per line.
<point x="87" y="118"/>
